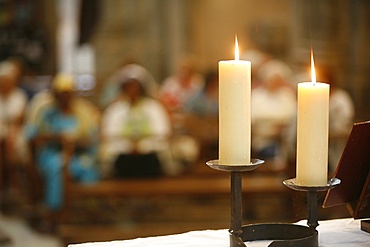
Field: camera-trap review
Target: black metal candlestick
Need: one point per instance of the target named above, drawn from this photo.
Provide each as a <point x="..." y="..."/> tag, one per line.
<point x="312" y="220"/>
<point x="236" y="229"/>
<point x="284" y="235"/>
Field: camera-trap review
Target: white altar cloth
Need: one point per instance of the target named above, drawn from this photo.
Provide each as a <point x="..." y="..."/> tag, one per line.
<point x="332" y="233"/>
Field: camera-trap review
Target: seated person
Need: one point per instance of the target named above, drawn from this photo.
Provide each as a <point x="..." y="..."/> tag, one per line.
<point x="64" y="134"/>
<point x="201" y="119"/>
<point x="13" y="101"/>
<point x="273" y="106"/>
<point x="176" y="89"/>
<point x="135" y="130"/>
<point x="205" y="102"/>
<point x="341" y="116"/>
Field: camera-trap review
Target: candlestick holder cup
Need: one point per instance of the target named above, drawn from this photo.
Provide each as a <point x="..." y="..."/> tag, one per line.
<point x="282" y="234"/>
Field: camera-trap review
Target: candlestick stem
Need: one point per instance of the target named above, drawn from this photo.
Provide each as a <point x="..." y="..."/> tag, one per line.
<point x="236" y="228"/>
<point x="312" y="221"/>
<point x="236" y="210"/>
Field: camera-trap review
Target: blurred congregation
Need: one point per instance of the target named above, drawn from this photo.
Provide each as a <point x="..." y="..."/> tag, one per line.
<point x="128" y="89"/>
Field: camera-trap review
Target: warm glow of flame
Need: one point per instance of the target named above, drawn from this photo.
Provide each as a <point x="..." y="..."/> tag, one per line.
<point x="236" y="48"/>
<point x="313" y="73"/>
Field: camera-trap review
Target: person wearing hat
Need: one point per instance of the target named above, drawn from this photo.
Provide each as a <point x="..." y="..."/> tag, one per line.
<point x="64" y="133"/>
<point x="135" y="129"/>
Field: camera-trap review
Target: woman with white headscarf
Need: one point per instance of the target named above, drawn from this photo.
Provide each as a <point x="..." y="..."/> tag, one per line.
<point x="135" y="129"/>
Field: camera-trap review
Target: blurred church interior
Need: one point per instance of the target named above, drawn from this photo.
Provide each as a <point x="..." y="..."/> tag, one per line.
<point x="93" y="39"/>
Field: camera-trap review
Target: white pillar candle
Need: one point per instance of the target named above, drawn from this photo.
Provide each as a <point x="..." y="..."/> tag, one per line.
<point x="312" y="133"/>
<point x="234" y="111"/>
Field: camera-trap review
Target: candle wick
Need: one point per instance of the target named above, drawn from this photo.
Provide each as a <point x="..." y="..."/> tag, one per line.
<point x="236" y="48"/>
<point x="313" y="73"/>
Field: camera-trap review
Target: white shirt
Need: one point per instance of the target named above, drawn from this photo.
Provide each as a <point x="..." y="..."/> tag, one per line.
<point x="269" y="112"/>
<point x="144" y="126"/>
<point x="11" y="107"/>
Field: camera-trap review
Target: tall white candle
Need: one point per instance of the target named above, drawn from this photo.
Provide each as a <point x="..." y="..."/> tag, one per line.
<point x="234" y="111"/>
<point x="312" y="132"/>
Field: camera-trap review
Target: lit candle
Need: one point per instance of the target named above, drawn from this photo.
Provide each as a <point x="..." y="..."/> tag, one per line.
<point x="312" y="131"/>
<point x="234" y="110"/>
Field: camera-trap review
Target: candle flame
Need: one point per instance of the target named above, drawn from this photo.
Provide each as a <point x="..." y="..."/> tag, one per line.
<point x="313" y="73"/>
<point x="236" y="48"/>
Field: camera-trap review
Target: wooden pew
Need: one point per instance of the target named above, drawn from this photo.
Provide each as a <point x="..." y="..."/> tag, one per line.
<point x="185" y="186"/>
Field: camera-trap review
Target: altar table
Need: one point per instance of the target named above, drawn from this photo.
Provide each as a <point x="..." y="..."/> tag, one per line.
<point x="332" y="233"/>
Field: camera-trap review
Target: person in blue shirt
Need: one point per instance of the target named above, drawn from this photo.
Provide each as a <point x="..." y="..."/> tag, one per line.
<point x="64" y="135"/>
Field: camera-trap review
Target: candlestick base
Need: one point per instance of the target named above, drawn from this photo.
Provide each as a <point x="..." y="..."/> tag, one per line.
<point x="312" y="191"/>
<point x="282" y="234"/>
